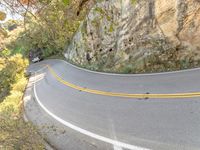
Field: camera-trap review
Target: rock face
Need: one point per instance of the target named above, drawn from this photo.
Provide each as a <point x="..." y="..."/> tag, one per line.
<point x="138" y="36"/>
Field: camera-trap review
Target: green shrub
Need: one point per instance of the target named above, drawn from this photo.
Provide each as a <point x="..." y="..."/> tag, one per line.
<point x="12" y="70"/>
<point x="14" y="132"/>
<point x="133" y="2"/>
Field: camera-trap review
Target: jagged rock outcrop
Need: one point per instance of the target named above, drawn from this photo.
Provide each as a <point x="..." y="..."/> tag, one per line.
<point x="138" y="36"/>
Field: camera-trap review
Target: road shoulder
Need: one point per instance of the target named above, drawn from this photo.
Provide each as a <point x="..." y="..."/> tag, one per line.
<point x="55" y="134"/>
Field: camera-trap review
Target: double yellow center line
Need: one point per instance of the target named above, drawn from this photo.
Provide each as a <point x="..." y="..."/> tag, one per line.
<point x="125" y="95"/>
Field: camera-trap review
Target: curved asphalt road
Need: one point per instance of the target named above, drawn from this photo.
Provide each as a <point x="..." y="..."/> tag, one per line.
<point x="161" y="123"/>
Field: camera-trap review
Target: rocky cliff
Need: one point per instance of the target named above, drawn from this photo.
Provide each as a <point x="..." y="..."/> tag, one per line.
<point x="138" y="36"/>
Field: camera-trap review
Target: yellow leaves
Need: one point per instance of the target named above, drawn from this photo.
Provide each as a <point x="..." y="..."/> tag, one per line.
<point x="27" y="2"/>
<point x="10" y="73"/>
<point x="24" y="1"/>
<point x="14" y="132"/>
<point x="2" y="16"/>
<point x="10" y="103"/>
<point x="20" y="85"/>
<point x="2" y="63"/>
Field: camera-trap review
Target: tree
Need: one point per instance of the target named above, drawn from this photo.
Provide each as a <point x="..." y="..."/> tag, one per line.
<point x="49" y="24"/>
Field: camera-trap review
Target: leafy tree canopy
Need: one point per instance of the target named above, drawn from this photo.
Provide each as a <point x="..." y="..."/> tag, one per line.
<point x="49" y="24"/>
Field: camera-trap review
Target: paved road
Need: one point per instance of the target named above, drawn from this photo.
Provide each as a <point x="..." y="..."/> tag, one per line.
<point x="151" y="123"/>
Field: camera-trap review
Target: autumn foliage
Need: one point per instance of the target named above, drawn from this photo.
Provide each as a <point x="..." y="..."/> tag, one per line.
<point x="2" y="16"/>
<point x="28" y="2"/>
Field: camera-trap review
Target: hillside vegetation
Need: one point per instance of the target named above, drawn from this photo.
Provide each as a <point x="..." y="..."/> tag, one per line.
<point x="15" y="132"/>
<point x="49" y="27"/>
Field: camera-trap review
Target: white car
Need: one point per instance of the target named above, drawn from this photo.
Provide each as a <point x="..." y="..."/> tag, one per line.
<point x="36" y="59"/>
<point x="35" y="56"/>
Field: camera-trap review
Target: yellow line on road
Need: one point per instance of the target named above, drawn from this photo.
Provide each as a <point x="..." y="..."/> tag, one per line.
<point x="104" y="93"/>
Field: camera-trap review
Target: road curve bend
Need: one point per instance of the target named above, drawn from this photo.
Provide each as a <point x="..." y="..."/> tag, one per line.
<point x="155" y="111"/>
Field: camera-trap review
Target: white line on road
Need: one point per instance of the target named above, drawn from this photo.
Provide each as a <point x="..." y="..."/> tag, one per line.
<point x="117" y="144"/>
<point x="117" y="147"/>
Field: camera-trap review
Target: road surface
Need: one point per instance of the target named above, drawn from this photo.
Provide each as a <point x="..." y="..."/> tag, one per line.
<point x="153" y="111"/>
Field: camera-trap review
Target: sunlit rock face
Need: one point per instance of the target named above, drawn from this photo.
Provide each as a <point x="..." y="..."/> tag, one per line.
<point x="138" y="36"/>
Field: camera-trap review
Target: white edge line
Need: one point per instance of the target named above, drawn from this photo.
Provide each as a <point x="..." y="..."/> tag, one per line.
<point x="117" y="148"/>
<point x="128" y="75"/>
<point x="38" y="70"/>
<point x="85" y="132"/>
